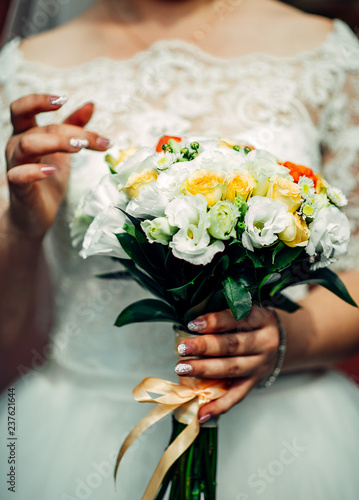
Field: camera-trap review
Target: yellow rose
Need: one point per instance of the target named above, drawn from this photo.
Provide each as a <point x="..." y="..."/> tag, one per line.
<point x="126" y="153"/>
<point x="240" y="183"/>
<point x="296" y="234"/>
<point x="322" y="184"/>
<point x="286" y="191"/>
<point x="210" y="184"/>
<point x="136" y="182"/>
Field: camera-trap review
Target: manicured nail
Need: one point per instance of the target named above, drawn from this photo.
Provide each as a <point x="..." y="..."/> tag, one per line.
<point x="57" y="100"/>
<point x="205" y="418"/>
<point x="185" y="349"/>
<point x="48" y="169"/>
<point x="183" y="369"/>
<point x="78" y="143"/>
<point x="103" y="143"/>
<point x="197" y="325"/>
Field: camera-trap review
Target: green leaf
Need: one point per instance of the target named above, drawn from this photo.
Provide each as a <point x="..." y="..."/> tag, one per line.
<point x="277" y="249"/>
<point x="214" y="302"/>
<point x="286" y="256"/>
<point x="147" y="310"/>
<point x="269" y="279"/>
<point x="210" y="280"/>
<point x="280" y="301"/>
<point x="255" y="260"/>
<point x="331" y="281"/>
<point x="143" y="279"/>
<point x="134" y="250"/>
<point x="130" y="229"/>
<point x="238" y="298"/>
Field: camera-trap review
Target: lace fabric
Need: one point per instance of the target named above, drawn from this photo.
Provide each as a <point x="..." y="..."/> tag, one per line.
<point x="303" y="109"/>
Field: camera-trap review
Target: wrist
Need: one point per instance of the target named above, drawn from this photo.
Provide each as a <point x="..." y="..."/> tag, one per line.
<point x="15" y="231"/>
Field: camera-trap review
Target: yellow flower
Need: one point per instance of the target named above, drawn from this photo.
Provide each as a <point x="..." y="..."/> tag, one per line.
<point x="126" y="153"/>
<point x="286" y="191"/>
<point x="206" y="182"/>
<point x="296" y="234"/>
<point x="136" y="182"/>
<point x="227" y="143"/>
<point x="240" y="183"/>
<point x="322" y="184"/>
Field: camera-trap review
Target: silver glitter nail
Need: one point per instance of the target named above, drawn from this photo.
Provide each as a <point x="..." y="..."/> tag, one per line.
<point x="58" y="101"/>
<point x="181" y="349"/>
<point x="78" y="143"/>
<point x="196" y="327"/>
<point x="183" y="368"/>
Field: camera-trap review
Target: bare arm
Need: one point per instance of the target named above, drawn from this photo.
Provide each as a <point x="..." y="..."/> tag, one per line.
<point x="38" y="164"/>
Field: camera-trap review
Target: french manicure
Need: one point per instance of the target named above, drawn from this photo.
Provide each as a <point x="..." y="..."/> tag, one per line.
<point x="57" y="100"/>
<point x="103" y="143"/>
<point x="183" y="369"/>
<point x="197" y="325"/>
<point x="78" y="143"/>
<point x="204" y="419"/>
<point x="185" y="349"/>
<point x="48" y="169"/>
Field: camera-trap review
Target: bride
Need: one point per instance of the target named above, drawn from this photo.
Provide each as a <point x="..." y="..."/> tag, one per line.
<point x="278" y="78"/>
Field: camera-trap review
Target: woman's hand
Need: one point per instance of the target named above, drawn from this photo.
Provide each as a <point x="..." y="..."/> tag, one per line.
<point x="246" y="356"/>
<point x="38" y="161"/>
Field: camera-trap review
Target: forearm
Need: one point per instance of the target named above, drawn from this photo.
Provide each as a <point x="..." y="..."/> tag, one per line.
<point x="325" y="330"/>
<point x="21" y="260"/>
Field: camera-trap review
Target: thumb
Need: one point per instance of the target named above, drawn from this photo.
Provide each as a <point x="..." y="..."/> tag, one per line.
<point x="81" y="116"/>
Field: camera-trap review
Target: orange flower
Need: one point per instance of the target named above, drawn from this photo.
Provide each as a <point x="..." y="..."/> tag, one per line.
<point x="297" y="171"/>
<point x="164" y="139"/>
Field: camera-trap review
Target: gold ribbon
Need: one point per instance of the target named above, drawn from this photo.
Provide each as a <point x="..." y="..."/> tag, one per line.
<point x="173" y="396"/>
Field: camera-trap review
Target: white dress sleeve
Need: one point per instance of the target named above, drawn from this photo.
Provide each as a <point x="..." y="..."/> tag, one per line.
<point x="340" y="142"/>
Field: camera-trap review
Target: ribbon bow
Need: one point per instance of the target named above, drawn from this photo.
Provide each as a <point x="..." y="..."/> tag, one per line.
<point x="173" y="396"/>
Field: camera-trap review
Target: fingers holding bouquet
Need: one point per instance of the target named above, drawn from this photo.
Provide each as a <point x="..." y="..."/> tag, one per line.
<point x="244" y="352"/>
<point x="35" y="154"/>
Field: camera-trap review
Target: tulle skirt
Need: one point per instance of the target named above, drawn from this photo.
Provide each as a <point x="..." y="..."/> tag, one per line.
<point x="297" y="440"/>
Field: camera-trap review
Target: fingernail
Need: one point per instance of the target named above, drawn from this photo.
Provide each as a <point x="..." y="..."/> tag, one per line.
<point x="57" y="100"/>
<point x="48" y="169"/>
<point x="197" y="325"/>
<point x="185" y="349"/>
<point x="183" y="369"/>
<point x="78" y="143"/>
<point x="205" y="418"/>
<point x="103" y="143"/>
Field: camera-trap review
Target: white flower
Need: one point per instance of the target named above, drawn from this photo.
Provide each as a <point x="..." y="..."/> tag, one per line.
<point x="329" y="236"/>
<point x="264" y="167"/>
<point x="104" y="195"/>
<point x="164" y="160"/>
<point x="192" y="241"/>
<point x="158" y="230"/>
<point x="264" y="219"/>
<point x="322" y="200"/>
<point x="306" y="186"/>
<point x="337" y="196"/>
<point x="100" y="238"/>
<point x="151" y="202"/>
<point x="223" y="217"/>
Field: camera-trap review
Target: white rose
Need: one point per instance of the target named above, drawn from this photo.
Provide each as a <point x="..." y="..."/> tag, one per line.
<point x="264" y="167"/>
<point x="100" y="238"/>
<point x="158" y="230"/>
<point x="329" y="235"/>
<point x="104" y="195"/>
<point x="264" y="219"/>
<point x="192" y="241"/>
<point x="151" y="202"/>
<point x="223" y="217"/>
<point x="136" y="163"/>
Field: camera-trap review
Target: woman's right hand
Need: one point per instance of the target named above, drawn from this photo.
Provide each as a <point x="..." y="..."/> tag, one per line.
<point x="38" y="161"/>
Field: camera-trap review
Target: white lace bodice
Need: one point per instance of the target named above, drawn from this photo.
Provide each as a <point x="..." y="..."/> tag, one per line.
<point x="303" y="109"/>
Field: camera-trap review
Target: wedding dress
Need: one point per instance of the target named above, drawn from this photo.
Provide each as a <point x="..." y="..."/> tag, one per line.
<point x="296" y="440"/>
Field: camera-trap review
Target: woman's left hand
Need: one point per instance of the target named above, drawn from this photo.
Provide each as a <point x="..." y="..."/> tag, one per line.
<point x="246" y="356"/>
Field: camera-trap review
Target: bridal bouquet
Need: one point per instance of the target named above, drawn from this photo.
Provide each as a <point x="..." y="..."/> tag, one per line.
<point x="205" y="225"/>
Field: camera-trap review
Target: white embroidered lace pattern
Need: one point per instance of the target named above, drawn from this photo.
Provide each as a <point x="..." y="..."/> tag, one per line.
<point x="303" y="109"/>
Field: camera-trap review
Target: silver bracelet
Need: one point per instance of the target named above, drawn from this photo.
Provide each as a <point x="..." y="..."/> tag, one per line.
<point x="281" y="349"/>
